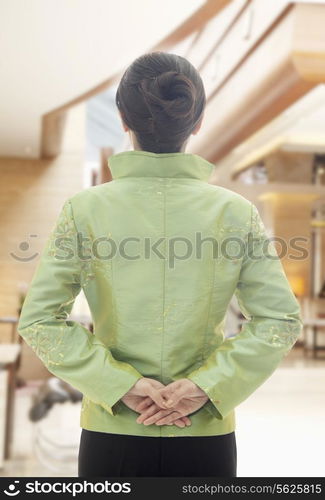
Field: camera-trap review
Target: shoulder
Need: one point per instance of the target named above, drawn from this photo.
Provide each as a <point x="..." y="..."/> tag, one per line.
<point x="89" y="201"/>
<point x="234" y="208"/>
<point x="229" y="202"/>
<point x="91" y="193"/>
<point x="228" y="194"/>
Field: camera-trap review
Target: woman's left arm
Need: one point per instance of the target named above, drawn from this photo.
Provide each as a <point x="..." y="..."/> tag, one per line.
<point x="234" y="370"/>
<point x="67" y="349"/>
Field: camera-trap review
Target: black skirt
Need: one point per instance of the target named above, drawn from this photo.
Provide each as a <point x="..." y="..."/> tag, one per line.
<point x="104" y="454"/>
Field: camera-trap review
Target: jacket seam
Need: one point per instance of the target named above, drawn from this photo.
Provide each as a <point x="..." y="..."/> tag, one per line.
<point x="164" y="285"/>
<point x="114" y="311"/>
<point x="164" y="290"/>
<point x="209" y="313"/>
<point x="77" y="231"/>
<point x="113" y="302"/>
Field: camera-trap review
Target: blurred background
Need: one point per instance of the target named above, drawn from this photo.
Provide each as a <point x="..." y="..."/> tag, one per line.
<point x="263" y="66"/>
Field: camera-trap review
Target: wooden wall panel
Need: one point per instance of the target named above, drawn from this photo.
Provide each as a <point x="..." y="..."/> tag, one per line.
<point x="289" y="214"/>
<point x="32" y="193"/>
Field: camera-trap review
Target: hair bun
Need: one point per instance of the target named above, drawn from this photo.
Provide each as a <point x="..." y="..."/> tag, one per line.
<point x="178" y="91"/>
<point x="161" y="98"/>
<point x="173" y="93"/>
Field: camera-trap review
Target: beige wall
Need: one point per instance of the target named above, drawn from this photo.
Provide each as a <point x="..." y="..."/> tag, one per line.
<point x="31" y="195"/>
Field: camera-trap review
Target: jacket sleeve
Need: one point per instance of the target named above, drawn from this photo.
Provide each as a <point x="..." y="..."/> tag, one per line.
<point x="242" y="363"/>
<point x="67" y="349"/>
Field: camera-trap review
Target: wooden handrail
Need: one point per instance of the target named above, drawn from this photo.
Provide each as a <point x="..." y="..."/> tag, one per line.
<point x="54" y="121"/>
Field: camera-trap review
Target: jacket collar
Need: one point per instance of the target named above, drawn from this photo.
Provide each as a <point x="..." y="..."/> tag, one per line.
<point x="139" y="163"/>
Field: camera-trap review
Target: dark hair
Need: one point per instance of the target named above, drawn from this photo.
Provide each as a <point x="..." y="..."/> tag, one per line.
<point x="161" y="98"/>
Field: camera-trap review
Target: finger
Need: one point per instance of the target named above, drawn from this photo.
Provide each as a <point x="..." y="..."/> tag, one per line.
<point x="169" y="419"/>
<point x="152" y="413"/>
<point x="168" y="396"/>
<point x="174" y="392"/>
<point x="147" y="413"/>
<point x="176" y="395"/>
<point x="186" y="421"/>
<point x="143" y="404"/>
<point x="156" y="396"/>
<point x="169" y="389"/>
<point x="180" y="422"/>
<point x="158" y="415"/>
<point x="155" y="416"/>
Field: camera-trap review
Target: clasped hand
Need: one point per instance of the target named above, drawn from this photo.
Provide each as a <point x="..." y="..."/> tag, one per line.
<point x="164" y="405"/>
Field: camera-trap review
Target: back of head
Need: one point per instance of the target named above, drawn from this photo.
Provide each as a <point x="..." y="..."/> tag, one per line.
<point x="161" y="98"/>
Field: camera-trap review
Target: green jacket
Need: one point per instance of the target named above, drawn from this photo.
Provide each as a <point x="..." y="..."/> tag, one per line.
<point x="159" y="253"/>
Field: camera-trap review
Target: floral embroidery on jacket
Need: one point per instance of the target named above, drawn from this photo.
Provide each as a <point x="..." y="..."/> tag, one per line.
<point x="45" y="344"/>
<point x="282" y="334"/>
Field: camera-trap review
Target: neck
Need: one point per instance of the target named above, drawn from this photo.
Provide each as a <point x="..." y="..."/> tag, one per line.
<point x="136" y="146"/>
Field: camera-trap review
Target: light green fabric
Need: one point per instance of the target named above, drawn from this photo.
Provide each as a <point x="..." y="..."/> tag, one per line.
<point x="147" y="250"/>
